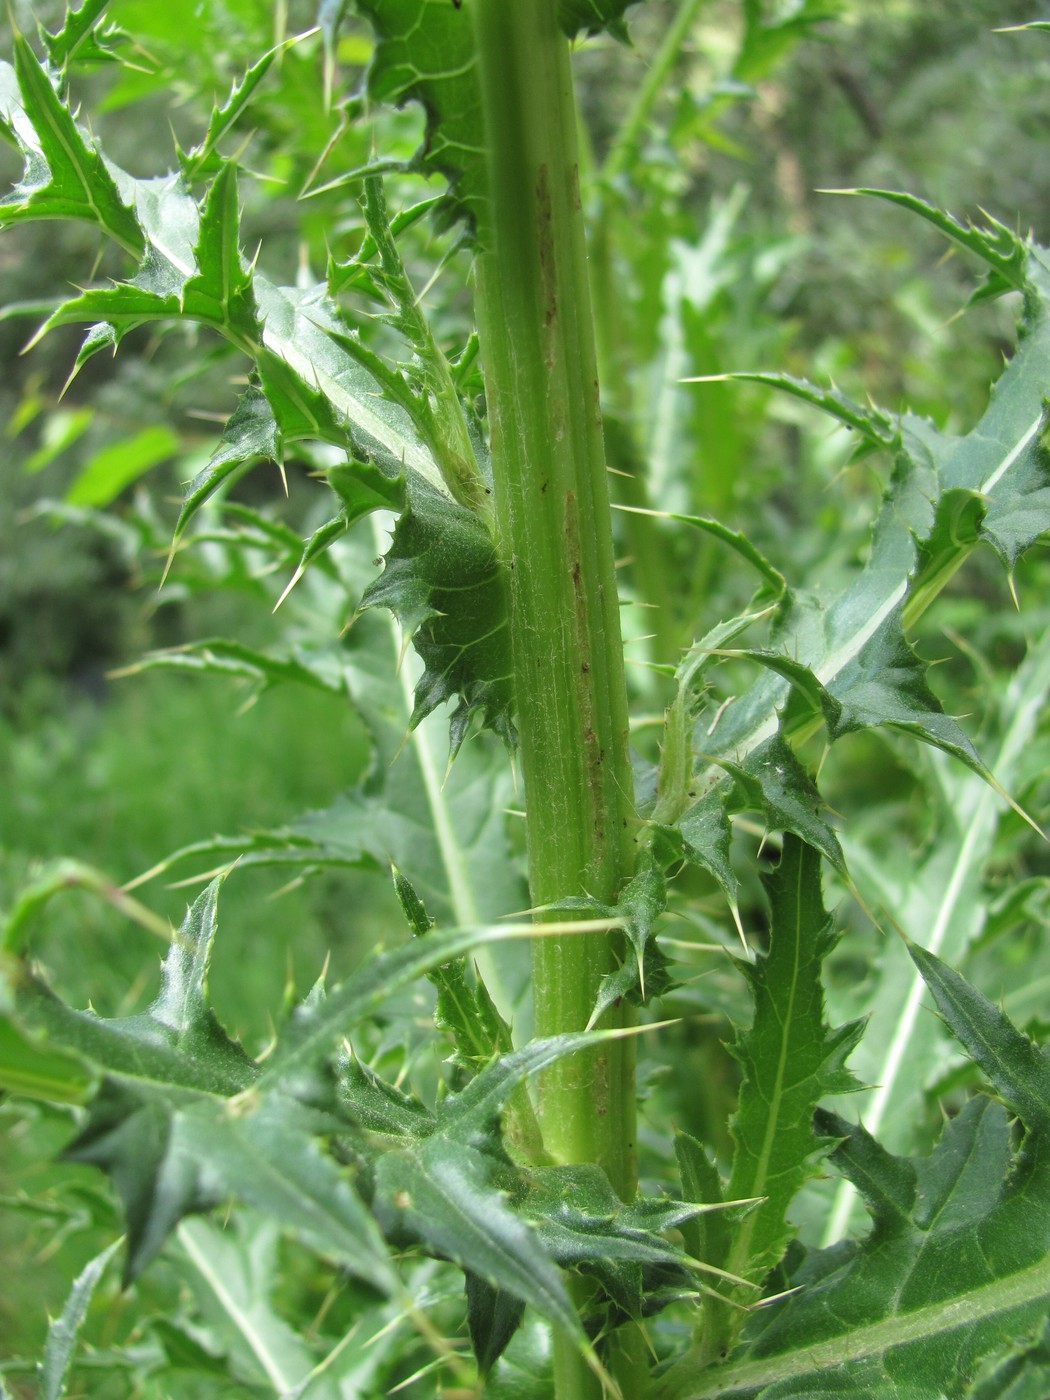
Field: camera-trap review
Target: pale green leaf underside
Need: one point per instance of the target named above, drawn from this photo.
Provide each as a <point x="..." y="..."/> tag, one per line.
<point x="844" y="660"/>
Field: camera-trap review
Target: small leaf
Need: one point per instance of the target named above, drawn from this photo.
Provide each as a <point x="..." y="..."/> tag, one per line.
<point x="444" y="583"/>
<point x="220" y="293"/>
<point x="706" y="1237"/>
<point x="250" y="435"/>
<point x="476" y="1027"/>
<point x="1005" y="252"/>
<point x="78" y="38"/>
<point x="1019" y="1070"/>
<point x="62" y="1334"/>
<point x="772" y="781"/>
<point x="877" y="427"/>
<point x="203" y="158"/>
<point x="584" y="1226"/>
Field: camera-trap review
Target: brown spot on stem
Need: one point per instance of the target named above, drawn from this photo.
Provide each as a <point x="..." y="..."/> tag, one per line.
<point x="548" y="272"/>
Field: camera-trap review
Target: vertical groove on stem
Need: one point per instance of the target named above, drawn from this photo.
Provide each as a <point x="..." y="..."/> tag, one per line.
<point x="556" y="538"/>
<point x="555" y="535"/>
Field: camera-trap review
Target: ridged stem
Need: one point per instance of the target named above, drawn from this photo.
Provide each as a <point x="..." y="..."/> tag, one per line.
<point x="555" y="535"/>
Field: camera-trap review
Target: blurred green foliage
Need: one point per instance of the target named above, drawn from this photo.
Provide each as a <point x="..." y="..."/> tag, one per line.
<point x="723" y="256"/>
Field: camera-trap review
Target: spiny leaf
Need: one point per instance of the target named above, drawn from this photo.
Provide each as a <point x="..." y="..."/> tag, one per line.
<point x="184" y="1119"/>
<point x="443" y="581"/>
<point x="220" y="292"/>
<point x="1005" y="252"/>
<point x="250" y="435"/>
<point x="772" y="781"/>
<point x="636" y="910"/>
<point x="852" y="642"/>
<point x="221" y="657"/>
<point x="1013" y="523"/>
<point x="425" y="53"/>
<point x="79" y="36"/>
<point x="157" y="1174"/>
<point x="64" y="176"/>
<point x="442" y="1192"/>
<point x="1018" y="1069"/>
<point x="478" y="1031"/>
<point x="356" y="272"/>
<point x="883" y="684"/>
<point x="298" y="326"/>
<point x="455" y="1190"/>
<point x="63" y="1332"/>
<point x="203" y="159"/>
<point x="790" y="1058"/>
<point x="953" y="1280"/>
<point x="875" y="426"/>
<point x="584" y="1226"/>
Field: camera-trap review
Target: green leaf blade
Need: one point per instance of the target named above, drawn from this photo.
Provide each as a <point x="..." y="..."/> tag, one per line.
<point x="63" y="1332"/>
<point x="78" y="184"/>
<point x="790" y="1058"/>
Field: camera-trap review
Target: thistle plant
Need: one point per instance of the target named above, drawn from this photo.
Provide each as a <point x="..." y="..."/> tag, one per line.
<point x="512" y="1182"/>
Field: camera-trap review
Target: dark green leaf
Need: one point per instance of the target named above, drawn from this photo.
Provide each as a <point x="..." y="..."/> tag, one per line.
<point x="952" y="1285"/>
<point x="772" y="781"/>
<point x="444" y="583"/>
<point x="493" y="1316"/>
<point x="442" y="1193"/>
<point x="584" y="1226"/>
<point x="1019" y="1070"/>
<point x="790" y="1058"/>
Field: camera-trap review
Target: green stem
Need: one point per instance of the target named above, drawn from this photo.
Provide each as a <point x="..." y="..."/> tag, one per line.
<point x="555" y="534"/>
<point x="436" y="412"/>
<point x="624" y="147"/>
